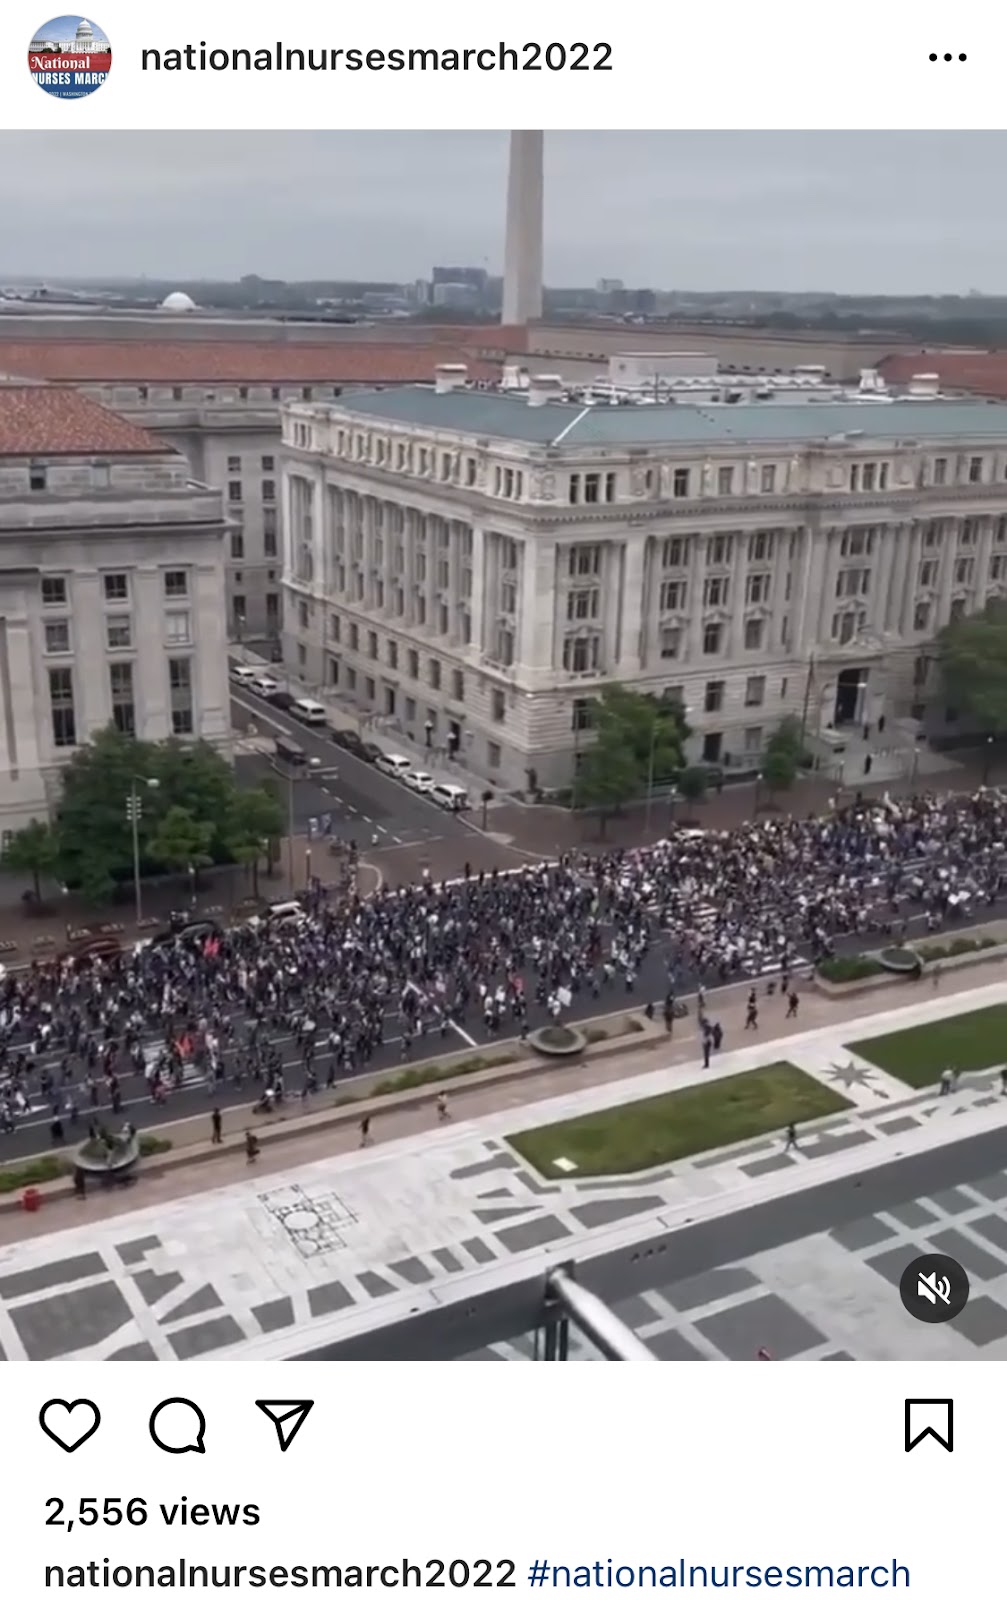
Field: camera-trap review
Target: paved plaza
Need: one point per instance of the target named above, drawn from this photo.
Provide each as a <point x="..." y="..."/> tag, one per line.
<point x="278" y="1266"/>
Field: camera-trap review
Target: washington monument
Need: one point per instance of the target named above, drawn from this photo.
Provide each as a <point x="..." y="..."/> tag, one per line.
<point x="522" y="292"/>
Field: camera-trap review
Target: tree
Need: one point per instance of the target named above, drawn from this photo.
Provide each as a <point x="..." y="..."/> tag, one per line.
<point x="652" y="730"/>
<point x="973" y="658"/>
<point x="182" y="841"/>
<point x="692" y="784"/>
<point x="783" y="756"/>
<point x="33" y="849"/>
<point x="254" y="825"/>
<point x="608" y="776"/>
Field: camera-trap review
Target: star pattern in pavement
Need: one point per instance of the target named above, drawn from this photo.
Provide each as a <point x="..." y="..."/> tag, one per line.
<point x="849" y="1074"/>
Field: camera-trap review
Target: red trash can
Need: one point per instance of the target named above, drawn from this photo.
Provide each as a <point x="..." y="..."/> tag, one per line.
<point x="31" y="1200"/>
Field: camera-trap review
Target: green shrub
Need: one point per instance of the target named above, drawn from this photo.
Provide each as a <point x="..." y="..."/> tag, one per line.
<point x="29" y="1174"/>
<point x="150" y="1145"/>
<point x="849" y="969"/>
<point x="956" y="947"/>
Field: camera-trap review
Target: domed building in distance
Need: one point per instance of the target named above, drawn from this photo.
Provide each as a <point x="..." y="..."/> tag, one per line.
<point x="178" y="301"/>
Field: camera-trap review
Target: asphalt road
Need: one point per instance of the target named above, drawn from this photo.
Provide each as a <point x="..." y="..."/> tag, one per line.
<point x="32" y="1132"/>
<point x="361" y="801"/>
<point x="451" y="1332"/>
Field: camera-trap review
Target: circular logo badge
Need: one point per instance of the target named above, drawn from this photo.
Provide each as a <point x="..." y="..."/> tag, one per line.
<point x="934" y="1288"/>
<point x="69" y="57"/>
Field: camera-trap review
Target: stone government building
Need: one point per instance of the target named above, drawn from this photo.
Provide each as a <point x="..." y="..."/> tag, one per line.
<point x="487" y="561"/>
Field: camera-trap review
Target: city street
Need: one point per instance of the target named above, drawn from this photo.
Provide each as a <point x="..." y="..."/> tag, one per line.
<point x="32" y="1132"/>
<point x="362" y="802"/>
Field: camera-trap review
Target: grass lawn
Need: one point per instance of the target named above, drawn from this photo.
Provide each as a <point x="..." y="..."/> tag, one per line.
<point x="972" y="1040"/>
<point x="651" y="1133"/>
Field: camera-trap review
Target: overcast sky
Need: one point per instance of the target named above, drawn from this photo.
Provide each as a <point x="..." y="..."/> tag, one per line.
<point x="855" y="212"/>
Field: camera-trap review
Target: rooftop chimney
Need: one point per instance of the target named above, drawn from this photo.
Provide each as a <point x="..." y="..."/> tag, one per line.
<point x="449" y="376"/>
<point x="545" y="386"/>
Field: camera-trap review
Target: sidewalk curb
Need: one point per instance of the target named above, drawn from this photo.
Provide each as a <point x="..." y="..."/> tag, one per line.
<point x="290" y="1125"/>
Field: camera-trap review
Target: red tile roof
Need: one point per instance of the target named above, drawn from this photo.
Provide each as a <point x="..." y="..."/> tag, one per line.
<point x="162" y="361"/>
<point x="38" y="421"/>
<point x="981" y="372"/>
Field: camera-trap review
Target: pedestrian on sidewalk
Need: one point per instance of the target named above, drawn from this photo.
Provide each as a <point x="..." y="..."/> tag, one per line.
<point x="793" y="1001"/>
<point x="947" y="1081"/>
<point x="251" y="1147"/>
<point x="935" y="976"/>
<point x="216" y="1126"/>
<point x="443" y="1114"/>
<point x="706" y="1050"/>
<point x="791" y="1143"/>
<point x="365" y="1133"/>
<point x="751" y="1015"/>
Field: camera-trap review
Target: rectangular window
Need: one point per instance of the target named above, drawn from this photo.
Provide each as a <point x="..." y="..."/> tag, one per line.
<point x="712" y="635"/>
<point x="921" y="616"/>
<point x="237" y="547"/>
<point x="585" y="560"/>
<point x="767" y="480"/>
<point x="592" y="488"/>
<point x="393" y="655"/>
<point x="119" y="633"/>
<point x="498" y="705"/>
<point x="434" y="673"/>
<point x="54" y="591"/>
<point x="725" y="480"/>
<point x="268" y="490"/>
<point x="180" y="695"/>
<point x="64" y="722"/>
<point x="754" y="631"/>
<point x="116" y="586"/>
<point x="354" y="636"/>
<point x="37" y="477"/>
<point x="372" y="645"/>
<point x="413" y="663"/>
<point x="234" y="463"/>
<point x="965" y="570"/>
<point x="582" y="604"/>
<point x="940" y="470"/>
<point x="673" y="595"/>
<point x="583" y="716"/>
<point x="715" y="591"/>
<point x="976" y="469"/>
<point x="670" y="643"/>
<point x="713" y="699"/>
<point x="753" y="741"/>
<point x="760" y="547"/>
<point x="268" y="464"/>
<point x="581" y="655"/>
<point x="680" y="483"/>
<point x="719" y="550"/>
<point x="757" y="589"/>
<point x="867" y="477"/>
<point x="57" y="638"/>
<point x="234" y="493"/>
<point x="176" y="585"/>
<point x="120" y="676"/>
<point x="457" y="685"/>
<point x="755" y="691"/>
<point x="176" y="627"/>
<point x="494" y="755"/>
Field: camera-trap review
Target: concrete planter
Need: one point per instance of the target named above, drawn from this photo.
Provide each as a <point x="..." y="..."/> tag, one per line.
<point x="558" y="1040"/>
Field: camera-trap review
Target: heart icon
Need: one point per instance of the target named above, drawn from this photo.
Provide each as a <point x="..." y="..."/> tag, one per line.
<point x="69" y="1423"/>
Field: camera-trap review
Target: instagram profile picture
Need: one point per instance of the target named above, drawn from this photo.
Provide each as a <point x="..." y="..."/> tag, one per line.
<point x="69" y="57"/>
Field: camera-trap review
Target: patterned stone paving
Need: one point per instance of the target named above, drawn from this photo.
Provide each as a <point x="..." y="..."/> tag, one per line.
<point x="301" y="1253"/>
<point x="829" y="1297"/>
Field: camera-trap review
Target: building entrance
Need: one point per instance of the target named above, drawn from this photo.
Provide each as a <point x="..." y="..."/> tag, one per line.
<point x="851" y="696"/>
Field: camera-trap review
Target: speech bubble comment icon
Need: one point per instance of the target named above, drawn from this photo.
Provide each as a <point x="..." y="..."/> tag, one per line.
<point x="178" y="1426"/>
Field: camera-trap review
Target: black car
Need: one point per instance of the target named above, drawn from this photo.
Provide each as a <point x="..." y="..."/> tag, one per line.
<point x="370" y="752"/>
<point x="282" y="699"/>
<point x="347" y="739"/>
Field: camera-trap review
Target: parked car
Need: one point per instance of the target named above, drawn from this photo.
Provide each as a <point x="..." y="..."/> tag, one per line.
<point x="311" y="712"/>
<point x="347" y="739"/>
<point x="371" y="752"/>
<point x="422" y="782"/>
<point x="242" y="676"/>
<point x="264" y="686"/>
<point x="283" y="700"/>
<point x="394" y="766"/>
<point x="451" y="796"/>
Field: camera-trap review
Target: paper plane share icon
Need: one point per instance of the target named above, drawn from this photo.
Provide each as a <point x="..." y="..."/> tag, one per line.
<point x="287" y="1417"/>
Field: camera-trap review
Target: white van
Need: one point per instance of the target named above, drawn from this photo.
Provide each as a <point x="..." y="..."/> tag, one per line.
<point x="283" y="913"/>
<point x="309" y="711"/>
<point x="451" y="796"/>
<point x="243" y="675"/>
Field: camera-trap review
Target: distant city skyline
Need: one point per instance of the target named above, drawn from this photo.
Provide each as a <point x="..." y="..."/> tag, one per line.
<point x="856" y="213"/>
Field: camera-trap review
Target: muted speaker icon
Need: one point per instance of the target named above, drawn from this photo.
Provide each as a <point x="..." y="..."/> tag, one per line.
<point x="934" y="1288"/>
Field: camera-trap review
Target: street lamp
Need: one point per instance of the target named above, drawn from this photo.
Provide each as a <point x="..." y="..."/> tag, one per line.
<point x="134" y="813"/>
<point x="313" y="763"/>
<point x="988" y="759"/>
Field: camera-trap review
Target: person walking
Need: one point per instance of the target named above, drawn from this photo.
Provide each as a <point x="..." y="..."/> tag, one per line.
<point x="791" y="1142"/>
<point x="216" y="1126"/>
<point x="365" y="1133"/>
